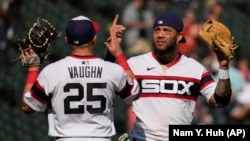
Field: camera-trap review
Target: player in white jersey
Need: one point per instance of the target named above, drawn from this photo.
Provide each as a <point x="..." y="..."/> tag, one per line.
<point x="78" y="90"/>
<point x="170" y="82"/>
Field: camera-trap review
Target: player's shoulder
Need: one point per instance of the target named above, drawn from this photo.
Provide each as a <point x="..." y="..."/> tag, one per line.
<point x="54" y="66"/>
<point x="192" y="62"/>
<point x="107" y="65"/>
<point x="140" y="57"/>
<point x="57" y="62"/>
<point x="111" y="64"/>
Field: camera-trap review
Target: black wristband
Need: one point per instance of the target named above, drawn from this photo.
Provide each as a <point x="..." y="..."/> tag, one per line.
<point x="222" y="100"/>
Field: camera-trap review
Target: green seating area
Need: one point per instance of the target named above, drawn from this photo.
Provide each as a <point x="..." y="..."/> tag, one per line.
<point x="14" y="124"/>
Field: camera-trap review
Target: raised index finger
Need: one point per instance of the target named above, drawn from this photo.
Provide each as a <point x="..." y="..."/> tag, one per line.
<point x="115" y="19"/>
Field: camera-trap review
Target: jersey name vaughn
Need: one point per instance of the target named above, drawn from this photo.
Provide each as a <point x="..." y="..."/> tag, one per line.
<point x="85" y="71"/>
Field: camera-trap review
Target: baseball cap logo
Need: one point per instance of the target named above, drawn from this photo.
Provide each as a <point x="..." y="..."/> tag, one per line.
<point x="76" y="42"/>
<point x="160" y="22"/>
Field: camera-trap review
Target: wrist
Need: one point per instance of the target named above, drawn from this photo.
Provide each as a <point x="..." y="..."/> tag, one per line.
<point x="31" y="76"/>
<point x="223" y="73"/>
<point x="224" y="68"/>
<point x="34" y="68"/>
<point x="118" y="54"/>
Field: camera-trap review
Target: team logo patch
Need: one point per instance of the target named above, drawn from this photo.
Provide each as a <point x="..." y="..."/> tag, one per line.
<point x="85" y="62"/>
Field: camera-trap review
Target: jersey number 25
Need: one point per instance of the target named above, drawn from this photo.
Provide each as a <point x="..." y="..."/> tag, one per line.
<point x="90" y="98"/>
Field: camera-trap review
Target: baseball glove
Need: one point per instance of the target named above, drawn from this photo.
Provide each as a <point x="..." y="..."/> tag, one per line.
<point x="218" y="38"/>
<point x="39" y="38"/>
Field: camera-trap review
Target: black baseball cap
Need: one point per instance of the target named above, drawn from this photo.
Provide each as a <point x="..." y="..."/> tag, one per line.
<point x="172" y="20"/>
<point x="81" y="30"/>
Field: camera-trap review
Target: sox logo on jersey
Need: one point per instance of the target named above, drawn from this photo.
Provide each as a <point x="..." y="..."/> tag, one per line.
<point x="159" y="86"/>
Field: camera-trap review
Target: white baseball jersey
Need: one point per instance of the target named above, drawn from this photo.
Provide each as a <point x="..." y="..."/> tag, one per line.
<point x="78" y="93"/>
<point x="168" y="94"/>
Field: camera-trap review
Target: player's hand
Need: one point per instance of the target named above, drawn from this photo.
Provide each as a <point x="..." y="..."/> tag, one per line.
<point x="29" y="53"/>
<point x="113" y="43"/>
<point x="119" y="37"/>
<point x="223" y="63"/>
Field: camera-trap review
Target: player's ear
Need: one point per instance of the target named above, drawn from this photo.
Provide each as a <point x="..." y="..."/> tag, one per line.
<point x="179" y="37"/>
<point x="94" y="39"/>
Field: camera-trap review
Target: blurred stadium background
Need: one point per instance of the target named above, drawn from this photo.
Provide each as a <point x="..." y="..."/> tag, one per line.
<point x="15" y="125"/>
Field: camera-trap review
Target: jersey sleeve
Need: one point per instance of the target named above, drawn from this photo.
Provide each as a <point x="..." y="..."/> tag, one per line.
<point x="129" y="89"/>
<point x="208" y="85"/>
<point x="34" y="103"/>
<point x="36" y="98"/>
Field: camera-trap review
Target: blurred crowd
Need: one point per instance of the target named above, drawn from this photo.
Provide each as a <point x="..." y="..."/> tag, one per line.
<point x="9" y="23"/>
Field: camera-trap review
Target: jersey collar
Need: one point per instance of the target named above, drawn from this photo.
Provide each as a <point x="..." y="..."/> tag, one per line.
<point x="84" y="57"/>
<point x="168" y="64"/>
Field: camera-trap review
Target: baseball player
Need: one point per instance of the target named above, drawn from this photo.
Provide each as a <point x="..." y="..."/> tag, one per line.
<point x="78" y="90"/>
<point x="170" y="82"/>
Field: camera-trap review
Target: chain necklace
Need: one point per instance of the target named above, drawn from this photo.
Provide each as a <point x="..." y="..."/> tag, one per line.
<point x="166" y="66"/>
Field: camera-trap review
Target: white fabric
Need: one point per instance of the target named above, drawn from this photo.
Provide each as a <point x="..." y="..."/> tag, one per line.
<point x="80" y="18"/>
<point x="167" y="95"/>
<point x="223" y="74"/>
<point x="82" y="91"/>
<point x="84" y="139"/>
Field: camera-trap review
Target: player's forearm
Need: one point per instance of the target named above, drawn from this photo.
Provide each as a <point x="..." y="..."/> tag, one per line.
<point x="222" y="93"/>
<point x="30" y="80"/>
<point x="25" y="108"/>
<point x="223" y="90"/>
